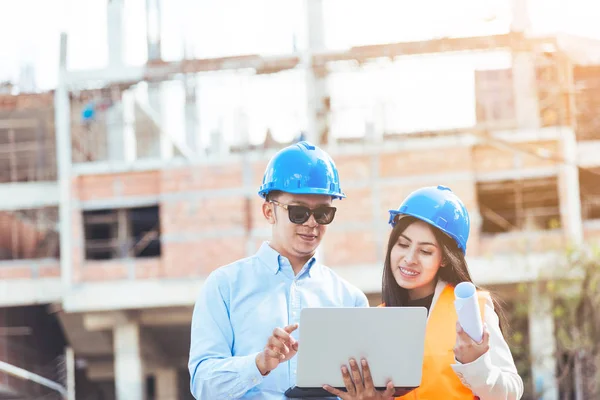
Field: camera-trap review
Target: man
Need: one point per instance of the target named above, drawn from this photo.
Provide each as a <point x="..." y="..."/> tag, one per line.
<point x="244" y="337"/>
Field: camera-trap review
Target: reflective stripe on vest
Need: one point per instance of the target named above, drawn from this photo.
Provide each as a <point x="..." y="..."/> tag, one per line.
<point x="439" y="381"/>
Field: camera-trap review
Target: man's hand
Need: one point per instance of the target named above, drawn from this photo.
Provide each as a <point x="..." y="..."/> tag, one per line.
<point x="360" y="387"/>
<point x="280" y="347"/>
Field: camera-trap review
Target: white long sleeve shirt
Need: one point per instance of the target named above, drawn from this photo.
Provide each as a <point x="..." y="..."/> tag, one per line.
<point x="493" y="376"/>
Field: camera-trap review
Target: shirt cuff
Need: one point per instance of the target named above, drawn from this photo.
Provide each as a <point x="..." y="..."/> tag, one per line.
<point x="249" y="374"/>
<point x="475" y="373"/>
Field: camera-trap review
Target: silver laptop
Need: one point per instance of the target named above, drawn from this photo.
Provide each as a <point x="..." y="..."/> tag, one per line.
<point x="392" y="339"/>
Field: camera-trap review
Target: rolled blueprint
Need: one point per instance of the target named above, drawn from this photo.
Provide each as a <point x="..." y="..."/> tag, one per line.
<point x="467" y="308"/>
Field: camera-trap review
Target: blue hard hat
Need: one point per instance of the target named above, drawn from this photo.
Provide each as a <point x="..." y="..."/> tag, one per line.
<point x="440" y="207"/>
<point x="302" y="168"/>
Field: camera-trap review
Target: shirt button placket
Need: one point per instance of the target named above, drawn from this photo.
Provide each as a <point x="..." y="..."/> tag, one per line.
<point x="296" y="319"/>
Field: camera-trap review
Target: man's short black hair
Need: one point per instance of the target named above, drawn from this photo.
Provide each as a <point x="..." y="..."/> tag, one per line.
<point x="273" y="195"/>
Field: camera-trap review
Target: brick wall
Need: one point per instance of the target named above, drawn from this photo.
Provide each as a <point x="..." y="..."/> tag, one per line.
<point x="208" y="217"/>
<point x="30" y="101"/>
<point x="29" y="269"/>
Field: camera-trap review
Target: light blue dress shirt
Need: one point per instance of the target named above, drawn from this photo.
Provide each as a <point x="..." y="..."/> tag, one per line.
<point x="239" y="306"/>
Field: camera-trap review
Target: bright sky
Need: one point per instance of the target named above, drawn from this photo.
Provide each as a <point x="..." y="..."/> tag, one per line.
<point x="399" y="95"/>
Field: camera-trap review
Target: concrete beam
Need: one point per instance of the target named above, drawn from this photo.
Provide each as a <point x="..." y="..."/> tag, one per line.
<point x="119" y="202"/>
<point x="524" y="268"/>
<point x="24" y="292"/>
<point x="103" y="296"/>
<point x="20" y="123"/>
<point x="85" y="343"/>
<point x="78" y="79"/>
<point x="521" y="173"/>
<point x="464" y="137"/>
<point x="105" y="321"/>
<point x="27" y="195"/>
<point x="157" y="71"/>
<point x="166" y="317"/>
<point x="102" y="321"/>
<point x="131" y="294"/>
<point x="140" y="201"/>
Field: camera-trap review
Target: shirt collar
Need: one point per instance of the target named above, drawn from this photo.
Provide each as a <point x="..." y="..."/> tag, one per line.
<point x="274" y="261"/>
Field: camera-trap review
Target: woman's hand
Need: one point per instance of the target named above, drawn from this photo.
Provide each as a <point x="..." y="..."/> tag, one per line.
<point x="466" y="350"/>
<point x="360" y="387"/>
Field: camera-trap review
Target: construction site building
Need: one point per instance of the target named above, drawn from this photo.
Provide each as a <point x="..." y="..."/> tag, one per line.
<point x="113" y="215"/>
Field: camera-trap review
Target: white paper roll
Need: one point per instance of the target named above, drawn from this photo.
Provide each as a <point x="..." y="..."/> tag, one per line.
<point x="467" y="308"/>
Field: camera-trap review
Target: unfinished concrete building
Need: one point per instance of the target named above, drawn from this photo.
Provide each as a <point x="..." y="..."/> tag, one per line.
<point x="149" y="207"/>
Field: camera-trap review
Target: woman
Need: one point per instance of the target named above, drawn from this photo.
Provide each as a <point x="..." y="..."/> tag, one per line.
<point x="425" y="260"/>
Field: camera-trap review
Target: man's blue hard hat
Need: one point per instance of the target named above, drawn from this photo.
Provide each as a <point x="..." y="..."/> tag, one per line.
<point x="440" y="207"/>
<point x="302" y="168"/>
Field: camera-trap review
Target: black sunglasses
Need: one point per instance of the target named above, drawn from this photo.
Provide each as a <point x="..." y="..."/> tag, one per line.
<point x="300" y="214"/>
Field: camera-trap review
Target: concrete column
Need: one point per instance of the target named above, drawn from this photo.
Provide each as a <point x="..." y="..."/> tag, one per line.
<point x="316" y="81"/>
<point x="568" y="178"/>
<point x="520" y="16"/>
<point x="191" y="114"/>
<point x="129" y="366"/>
<point x="523" y="69"/>
<point x="62" y="113"/>
<point x="161" y="145"/>
<point x="376" y="127"/>
<point x="115" y="27"/>
<point x="129" y="137"/>
<point x="167" y="149"/>
<point x="167" y="384"/>
<point x="120" y="126"/>
<point x="542" y="344"/>
<point x="525" y="91"/>
<point x="115" y="125"/>
<point x="153" y="32"/>
<point x="474" y="243"/>
<point x="568" y="185"/>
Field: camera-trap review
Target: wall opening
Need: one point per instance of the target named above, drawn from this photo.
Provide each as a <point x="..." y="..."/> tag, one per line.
<point x="29" y="234"/>
<point x="517" y="205"/>
<point x="589" y="189"/>
<point x="122" y="233"/>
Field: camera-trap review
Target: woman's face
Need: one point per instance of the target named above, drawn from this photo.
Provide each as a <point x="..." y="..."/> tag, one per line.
<point x="415" y="260"/>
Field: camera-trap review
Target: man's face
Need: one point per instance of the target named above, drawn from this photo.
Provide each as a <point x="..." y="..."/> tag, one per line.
<point x="296" y="239"/>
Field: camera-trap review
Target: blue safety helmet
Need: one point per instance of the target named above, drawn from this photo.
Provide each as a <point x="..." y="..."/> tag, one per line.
<point x="302" y="168"/>
<point x="440" y="207"/>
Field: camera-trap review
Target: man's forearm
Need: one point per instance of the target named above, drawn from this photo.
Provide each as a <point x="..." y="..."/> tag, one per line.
<point x="227" y="378"/>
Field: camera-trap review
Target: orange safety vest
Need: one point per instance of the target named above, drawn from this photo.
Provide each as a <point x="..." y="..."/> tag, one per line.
<point x="439" y="381"/>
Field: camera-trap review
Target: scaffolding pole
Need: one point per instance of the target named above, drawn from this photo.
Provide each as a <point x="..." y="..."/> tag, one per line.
<point x="30" y="376"/>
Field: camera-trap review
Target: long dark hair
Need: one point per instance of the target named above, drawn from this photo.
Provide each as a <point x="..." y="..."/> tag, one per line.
<point x="454" y="272"/>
